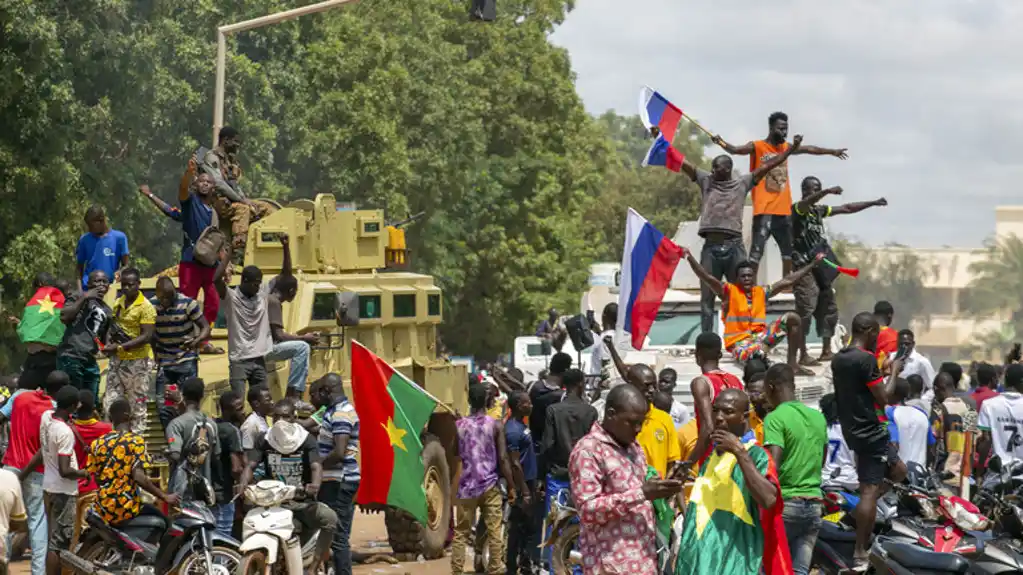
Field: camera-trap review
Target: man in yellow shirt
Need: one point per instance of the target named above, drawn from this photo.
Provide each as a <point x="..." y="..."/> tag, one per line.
<point x="131" y="359"/>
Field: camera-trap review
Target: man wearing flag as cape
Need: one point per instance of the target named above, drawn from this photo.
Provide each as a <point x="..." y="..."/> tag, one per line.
<point x="41" y="330"/>
<point x="733" y="524"/>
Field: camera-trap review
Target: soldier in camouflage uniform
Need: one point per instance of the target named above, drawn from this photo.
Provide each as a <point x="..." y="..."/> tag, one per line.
<point x="221" y="163"/>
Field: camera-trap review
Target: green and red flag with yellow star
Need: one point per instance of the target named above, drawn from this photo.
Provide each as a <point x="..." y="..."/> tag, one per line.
<point x="40" y="322"/>
<point x="725" y="531"/>
<point x="392" y="411"/>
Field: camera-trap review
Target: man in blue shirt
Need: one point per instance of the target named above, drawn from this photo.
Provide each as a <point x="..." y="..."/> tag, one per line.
<point x="522" y="527"/>
<point x="196" y="196"/>
<point x="101" y="248"/>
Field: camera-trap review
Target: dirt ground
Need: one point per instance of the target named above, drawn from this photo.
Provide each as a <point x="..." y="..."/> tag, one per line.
<point x="369" y="536"/>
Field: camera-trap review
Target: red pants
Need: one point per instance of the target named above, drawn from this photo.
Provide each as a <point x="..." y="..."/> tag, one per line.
<point x="192" y="277"/>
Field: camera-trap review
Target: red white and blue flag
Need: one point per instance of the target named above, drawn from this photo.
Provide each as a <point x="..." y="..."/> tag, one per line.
<point x="648" y="263"/>
<point x="662" y="153"/>
<point x="656" y="111"/>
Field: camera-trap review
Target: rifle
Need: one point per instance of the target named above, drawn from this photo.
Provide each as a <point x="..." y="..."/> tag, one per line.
<point x="406" y="221"/>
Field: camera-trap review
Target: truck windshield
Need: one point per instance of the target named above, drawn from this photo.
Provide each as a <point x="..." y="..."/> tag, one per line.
<point x="675" y="325"/>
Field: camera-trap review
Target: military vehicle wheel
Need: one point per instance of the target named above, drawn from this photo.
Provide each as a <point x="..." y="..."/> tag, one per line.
<point x="408" y="538"/>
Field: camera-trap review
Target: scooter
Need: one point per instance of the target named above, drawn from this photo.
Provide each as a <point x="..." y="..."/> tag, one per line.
<point x="152" y="544"/>
<point x="269" y="543"/>
<point x="836" y="540"/>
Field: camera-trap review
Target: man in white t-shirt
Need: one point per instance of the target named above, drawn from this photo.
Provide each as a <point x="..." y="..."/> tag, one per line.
<point x="667" y="379"/>
<point x="12" y="511"/>
<point x="909" y="427"/>
<point x="1001" y="421"/>
<point x="255" y="426"/>
<point x="839" y="470"/>
<point x="61" y="473"/>
<point x="916" y="364"/>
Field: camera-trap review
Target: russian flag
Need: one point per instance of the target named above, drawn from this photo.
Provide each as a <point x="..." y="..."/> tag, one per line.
<point x="662" y="153"/>
<point x="648" y="262"/>
<point x="656" y="110"/>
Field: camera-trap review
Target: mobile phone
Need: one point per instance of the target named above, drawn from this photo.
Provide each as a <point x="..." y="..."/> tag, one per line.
<point x="903" y="351"/>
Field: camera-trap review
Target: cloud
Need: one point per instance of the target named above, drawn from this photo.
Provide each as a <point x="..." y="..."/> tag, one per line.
<point x="926" y="95"/>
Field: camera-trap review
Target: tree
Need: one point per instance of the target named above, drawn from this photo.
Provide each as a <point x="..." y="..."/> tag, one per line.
<point x="892" y="275"/>
<point x="997" y="284"/>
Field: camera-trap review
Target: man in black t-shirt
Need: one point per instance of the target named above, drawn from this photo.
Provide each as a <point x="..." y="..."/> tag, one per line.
<point x="88" y="322"/>
<point x="288" y="453"/>
<point x="863" y="393"/>
<point x="231" y="462"/>
<point x="815" y="298"/>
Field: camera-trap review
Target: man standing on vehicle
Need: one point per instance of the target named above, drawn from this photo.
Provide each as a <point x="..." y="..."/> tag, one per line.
<point x="772" y="197"/>
<point x="180" y="330"/>
<point x="88" y="322"/>
<point x="288" y="453"/>
<point x="815" y="296"/>
<point x="860" y="389"/>
<point x="338" y="443"/>
<point x="249" y="338"/>
<point x="121" y="465"/>
<point x="744" y="311"/>
<point x="796" y="437"/>
<point x="724" y="196"/>
<point x="131" y="364"/>
<point x="612" y="495"/>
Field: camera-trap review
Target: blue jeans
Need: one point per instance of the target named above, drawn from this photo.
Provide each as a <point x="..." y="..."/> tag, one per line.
<point x="176" y="375"/>
<point x="298" y="353"/>
<point x="32" y="493"/>
<point x="225" y="518"/>
<point x="802" y="522"/>
<point x="340" y="496"/>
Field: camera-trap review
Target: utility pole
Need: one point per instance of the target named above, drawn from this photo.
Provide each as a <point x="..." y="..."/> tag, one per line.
<point x="262" y="21"/>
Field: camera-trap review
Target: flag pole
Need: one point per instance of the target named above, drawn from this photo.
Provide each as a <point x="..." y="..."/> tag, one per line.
<point x="697" y="124"/>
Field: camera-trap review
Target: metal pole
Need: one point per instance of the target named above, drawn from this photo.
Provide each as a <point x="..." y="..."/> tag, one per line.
<point x="223" y="31"/>
<point x="218" y="97"/>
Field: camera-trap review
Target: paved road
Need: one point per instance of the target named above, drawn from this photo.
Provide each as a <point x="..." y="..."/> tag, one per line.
<point x="368" y="535"/>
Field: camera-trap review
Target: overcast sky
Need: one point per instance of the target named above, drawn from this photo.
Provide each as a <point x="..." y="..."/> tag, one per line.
<point x="927" y="95"/>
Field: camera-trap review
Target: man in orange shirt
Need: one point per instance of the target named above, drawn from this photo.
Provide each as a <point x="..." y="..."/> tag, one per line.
<point x="772" y="196"/>
<point x="888" y="339"/>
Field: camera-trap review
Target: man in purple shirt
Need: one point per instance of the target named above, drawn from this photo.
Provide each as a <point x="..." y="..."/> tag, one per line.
<point x="481" y="449"/>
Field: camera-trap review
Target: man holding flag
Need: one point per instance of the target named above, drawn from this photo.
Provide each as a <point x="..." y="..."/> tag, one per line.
<point x="815" y="298"/>
<point x="41" y="330"/>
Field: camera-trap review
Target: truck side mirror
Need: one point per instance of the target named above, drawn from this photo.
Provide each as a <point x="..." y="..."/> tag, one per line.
<point x="346" y="308"/>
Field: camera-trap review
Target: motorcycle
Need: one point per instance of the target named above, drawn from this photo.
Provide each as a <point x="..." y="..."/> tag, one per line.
<point x="836" y="540"/>
<point x="151" y="544"/>
<point x="269" y="543"/>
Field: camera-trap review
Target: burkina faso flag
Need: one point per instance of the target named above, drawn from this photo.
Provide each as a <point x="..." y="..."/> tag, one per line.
<point x="40" y="322"/>
<point x="725" y="531"/>
<point x="392" y="411"/>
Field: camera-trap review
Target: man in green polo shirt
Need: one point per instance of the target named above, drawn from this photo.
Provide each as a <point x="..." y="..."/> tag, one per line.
<point x="796" y="437"/>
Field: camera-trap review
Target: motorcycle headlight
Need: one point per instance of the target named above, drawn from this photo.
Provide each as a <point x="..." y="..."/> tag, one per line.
<point x="200" y="512"/>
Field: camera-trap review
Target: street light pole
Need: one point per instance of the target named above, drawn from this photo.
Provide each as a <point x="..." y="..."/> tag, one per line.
<point x="268" y="20"/>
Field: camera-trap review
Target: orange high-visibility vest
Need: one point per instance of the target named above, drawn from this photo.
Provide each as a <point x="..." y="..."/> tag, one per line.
<point x="742" y="319"/>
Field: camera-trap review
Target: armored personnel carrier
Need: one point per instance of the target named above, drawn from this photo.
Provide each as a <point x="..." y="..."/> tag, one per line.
<point x="352" y="269"/>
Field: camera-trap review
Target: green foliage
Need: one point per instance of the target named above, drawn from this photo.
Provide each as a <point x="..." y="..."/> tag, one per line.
<point x="398" y="104"/>
<point x="997" y="285"/>
<point x="897" y="279"/>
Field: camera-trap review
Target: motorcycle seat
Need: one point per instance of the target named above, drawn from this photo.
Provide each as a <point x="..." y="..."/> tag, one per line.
<point x="913" y="557"/>
<point x="149" y="517"/>
<point x="831" y="532"/>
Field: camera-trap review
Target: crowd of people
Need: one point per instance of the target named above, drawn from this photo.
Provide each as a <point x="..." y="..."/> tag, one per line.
<point x="745" y="467"/>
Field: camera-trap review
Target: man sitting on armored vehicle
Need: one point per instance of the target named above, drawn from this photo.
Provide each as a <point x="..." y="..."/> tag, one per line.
<point x="232" y="205"/>
<point x="744" y="312"/>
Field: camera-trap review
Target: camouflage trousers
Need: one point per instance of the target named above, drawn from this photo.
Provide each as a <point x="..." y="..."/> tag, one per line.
<point x="129" y="379"/>
<point x="241" y="215"/>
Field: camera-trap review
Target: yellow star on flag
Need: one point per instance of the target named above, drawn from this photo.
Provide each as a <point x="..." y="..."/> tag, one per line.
<point x="715" y="491"/>
<point x="47" y="305"/>
<point x="395" y="434"/>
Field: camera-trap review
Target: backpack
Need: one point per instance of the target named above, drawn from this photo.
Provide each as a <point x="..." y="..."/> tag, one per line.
<point x="186" y="479"/>
<point x="206" y="249"/>
<point x="197" y="448"/>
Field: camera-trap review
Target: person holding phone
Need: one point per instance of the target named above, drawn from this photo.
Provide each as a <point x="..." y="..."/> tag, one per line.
<point x="914" y="362"/>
